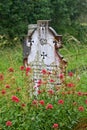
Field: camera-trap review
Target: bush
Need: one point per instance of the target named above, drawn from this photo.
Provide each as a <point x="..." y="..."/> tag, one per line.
<point x="5" y="41"/>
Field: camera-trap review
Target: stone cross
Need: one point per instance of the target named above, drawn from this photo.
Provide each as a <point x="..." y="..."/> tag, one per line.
<point x="44" y="55"/>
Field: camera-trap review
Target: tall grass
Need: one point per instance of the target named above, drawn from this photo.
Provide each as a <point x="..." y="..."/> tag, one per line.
<point x="58" y="108"/>
<point x="10" y="57"/>
<point x="74" y="53"/>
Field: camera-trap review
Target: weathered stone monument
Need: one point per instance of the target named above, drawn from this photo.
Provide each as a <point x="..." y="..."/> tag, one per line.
<point x="41" y="51"/>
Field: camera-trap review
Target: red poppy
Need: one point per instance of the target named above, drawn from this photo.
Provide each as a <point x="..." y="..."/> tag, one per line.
<point x="15" y="99"/>
<point x="55" y="125"/>
<point x="61" y="101"/>
<point x="8" y="123"/>
<point x="49" y="106"/>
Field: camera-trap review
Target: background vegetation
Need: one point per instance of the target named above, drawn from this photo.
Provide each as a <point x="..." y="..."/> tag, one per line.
<point x="68" y="16"/>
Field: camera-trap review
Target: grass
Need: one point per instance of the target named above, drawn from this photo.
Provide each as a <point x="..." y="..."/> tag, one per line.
<point x="23" y="118"/>
<point x="10" y="57"/>
<point x="75" y="54"/>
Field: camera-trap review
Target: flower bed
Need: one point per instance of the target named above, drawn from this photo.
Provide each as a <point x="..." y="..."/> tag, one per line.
<point x="59" y="107"/>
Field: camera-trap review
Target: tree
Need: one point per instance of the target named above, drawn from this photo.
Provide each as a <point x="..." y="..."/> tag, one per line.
<point x="16" y="15"/>
<point x="66" y="12"/>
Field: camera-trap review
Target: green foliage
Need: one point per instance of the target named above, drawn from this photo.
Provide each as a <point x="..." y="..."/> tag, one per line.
<point x="5" y="41"/>
<point x="63" y="105"/>
<point x="10" y="57"/>
<point x="75" y="53"/>
<point x="16" y="15"/>
<point x="25" y="114"/>
<point x="65" y="17"/>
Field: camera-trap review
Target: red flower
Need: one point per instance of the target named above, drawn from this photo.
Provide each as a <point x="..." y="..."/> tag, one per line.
<point x="22" y="68"/>
<point x="39" y="91"/>
<point x="43" y="71"/>
<point x="1" y="77"/>
<point x="70" y="74"/>
<point x="39" y="82"/>
<point x="41" y="102"/>
<point x="3" y="92"/>
<point x="49" y="106"/>
<point x="26" y="73"/>
<point x="8" y="123"/>
<point x="61" y="101"/>
<point x="28" y="69"/>
<point x="86" y="101"/>
<point x="51" y="81"/>
<point x="23" y="105"/>
<point x="70" y="85"/>
<point x="61" y="76"/>
<point x="48" y="72"/>
<point x="15" y="99"/>
<point x="7" y="86"/>
<point x="51" y="91"/>
<point x="11" y="69"/>
<point x="80" y="93"/>
<point x="55" y="125"/>
<point x="35" y="102"/>
<point x="81" y="108"/>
